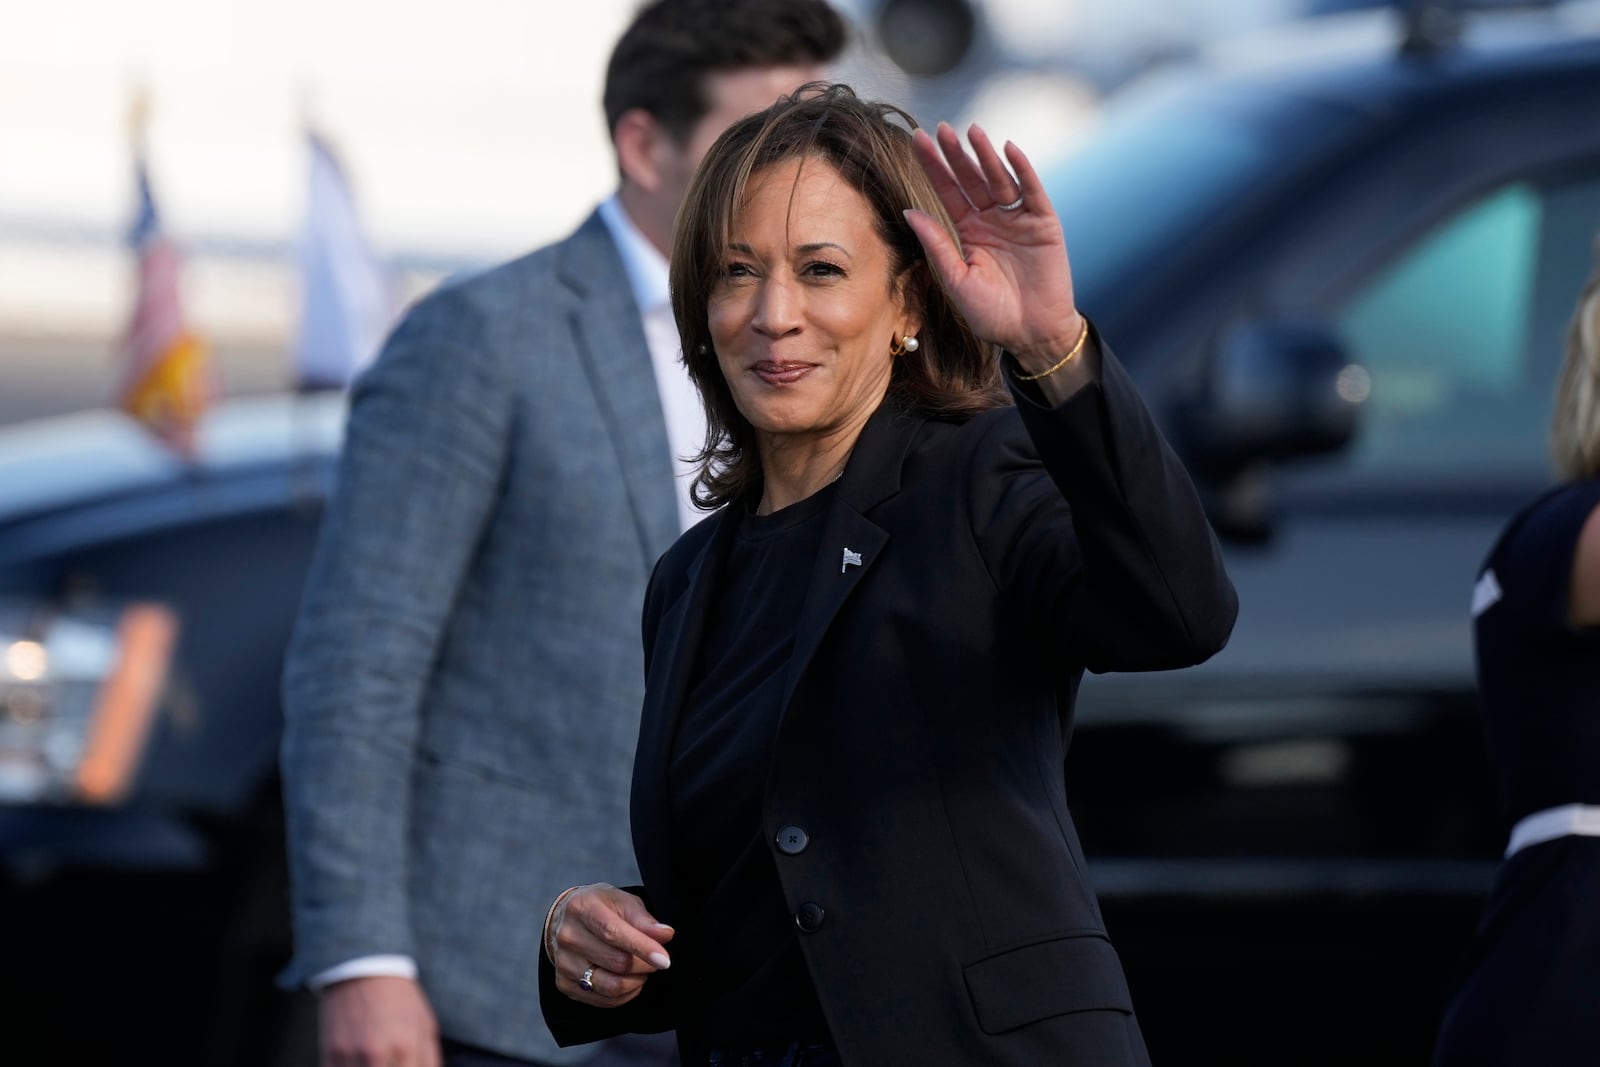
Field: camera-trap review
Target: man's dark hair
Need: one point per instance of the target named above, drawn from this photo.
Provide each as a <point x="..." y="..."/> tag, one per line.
<point x="662" y="60"/>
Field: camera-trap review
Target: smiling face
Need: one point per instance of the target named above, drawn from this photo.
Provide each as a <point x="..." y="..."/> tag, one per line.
<point x="804" y="311"/>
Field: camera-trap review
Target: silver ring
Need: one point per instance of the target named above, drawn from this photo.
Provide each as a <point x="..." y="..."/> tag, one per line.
<point x="584" y="983"/>
<point x="1011" y="206"/>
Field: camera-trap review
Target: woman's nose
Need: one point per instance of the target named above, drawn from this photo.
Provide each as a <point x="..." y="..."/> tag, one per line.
<point x="777" y="308"/>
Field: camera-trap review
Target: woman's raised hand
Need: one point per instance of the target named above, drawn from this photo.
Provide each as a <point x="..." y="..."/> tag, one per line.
<point x="1012" y="283"/>
<point x="604" y="944"/>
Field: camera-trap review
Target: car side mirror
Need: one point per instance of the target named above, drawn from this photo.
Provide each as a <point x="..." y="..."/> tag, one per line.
<point x="1273" y="391"/>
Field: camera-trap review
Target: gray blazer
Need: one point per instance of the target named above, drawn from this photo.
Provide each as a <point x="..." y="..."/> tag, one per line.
<point x="463" y="687"/>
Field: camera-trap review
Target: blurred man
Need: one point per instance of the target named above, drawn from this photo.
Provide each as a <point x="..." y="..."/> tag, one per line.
<point x="462" y="692"/>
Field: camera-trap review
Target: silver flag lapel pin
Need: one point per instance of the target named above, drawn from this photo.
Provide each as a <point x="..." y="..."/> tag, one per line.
<point x="851" y="559"/>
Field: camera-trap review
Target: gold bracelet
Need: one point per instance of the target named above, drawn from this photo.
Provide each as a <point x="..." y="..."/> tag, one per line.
<point x="1083" y="336"/>
<point x="549" y="949"/>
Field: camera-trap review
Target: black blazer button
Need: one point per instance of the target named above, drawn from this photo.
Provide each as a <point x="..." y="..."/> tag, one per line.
<point x="792" y="840"/>
<point x="809" y="917"/>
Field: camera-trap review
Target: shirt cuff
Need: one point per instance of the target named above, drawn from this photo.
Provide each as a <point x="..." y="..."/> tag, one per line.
<point x="364" y="967"/>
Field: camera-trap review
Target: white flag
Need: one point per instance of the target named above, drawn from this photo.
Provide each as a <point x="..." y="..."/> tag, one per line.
<point x="347" y="306"/>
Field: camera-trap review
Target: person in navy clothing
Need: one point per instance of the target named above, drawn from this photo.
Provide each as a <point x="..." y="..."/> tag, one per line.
<point x="940" y="501"/>
<point x="1529" y="995"/>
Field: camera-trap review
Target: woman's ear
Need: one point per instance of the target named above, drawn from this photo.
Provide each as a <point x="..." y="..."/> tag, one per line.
<point x="635" y="138"/>
<point x="909" y="294"/>
<point x="913" y="327"/>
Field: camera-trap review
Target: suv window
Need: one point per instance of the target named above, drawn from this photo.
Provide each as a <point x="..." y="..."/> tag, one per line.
<point x="1462" y="333"/>
<point x="1168" y="163"/>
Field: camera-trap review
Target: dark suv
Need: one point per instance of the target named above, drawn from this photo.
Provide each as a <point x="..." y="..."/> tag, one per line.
<point x="144" y="608"/>
<point x="1340" y="276"/>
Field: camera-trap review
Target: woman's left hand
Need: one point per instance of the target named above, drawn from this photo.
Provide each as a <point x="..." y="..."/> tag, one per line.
<point x="1013" y="285"/>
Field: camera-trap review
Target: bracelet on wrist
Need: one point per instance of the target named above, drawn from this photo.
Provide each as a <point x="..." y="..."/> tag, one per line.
<point x="1083" y="336"/>
<point x="549" y="916"/>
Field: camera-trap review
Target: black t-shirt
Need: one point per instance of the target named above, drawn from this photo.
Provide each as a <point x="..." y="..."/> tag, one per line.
<point x="747" y="982"/>
<point x="1538" y="675"/>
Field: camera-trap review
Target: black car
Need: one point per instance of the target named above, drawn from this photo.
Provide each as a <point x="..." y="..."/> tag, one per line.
<point x="1340" y="276"/>
<point x="145" y="604"/>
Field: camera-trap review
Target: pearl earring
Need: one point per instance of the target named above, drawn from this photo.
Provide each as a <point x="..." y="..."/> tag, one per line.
<point x="909" y="343"/>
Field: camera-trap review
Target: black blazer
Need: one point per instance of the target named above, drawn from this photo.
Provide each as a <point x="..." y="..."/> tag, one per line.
<point x="916" y="806"/>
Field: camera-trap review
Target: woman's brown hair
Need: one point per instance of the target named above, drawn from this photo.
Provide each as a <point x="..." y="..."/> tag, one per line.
<point x="951" y="374"/>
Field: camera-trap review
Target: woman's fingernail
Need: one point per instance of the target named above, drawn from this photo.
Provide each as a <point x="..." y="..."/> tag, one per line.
<point x="660" y="960"/>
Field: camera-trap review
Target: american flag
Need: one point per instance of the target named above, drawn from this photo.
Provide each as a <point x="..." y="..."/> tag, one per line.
<point x="166" y="369"/>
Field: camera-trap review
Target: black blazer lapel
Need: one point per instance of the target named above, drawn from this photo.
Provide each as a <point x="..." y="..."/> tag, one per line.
<point x="671" y="669"/>
<point x="851" y="543"/>
<point x="872" y="476"/>
<point x="610" y="339"/>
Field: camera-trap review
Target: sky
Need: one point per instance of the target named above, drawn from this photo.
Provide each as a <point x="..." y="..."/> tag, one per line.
<point x="465" y="125"/>
<point x="471" y="130"/>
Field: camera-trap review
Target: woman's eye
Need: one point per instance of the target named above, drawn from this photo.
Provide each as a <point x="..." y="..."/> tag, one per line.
<point x="738" y="270"/>
<point x="822" y="269"/>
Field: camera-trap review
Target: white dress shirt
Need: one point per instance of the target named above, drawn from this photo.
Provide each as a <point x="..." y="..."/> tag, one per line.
<point x="686" y="433"/>
<point x="680" y="401"/>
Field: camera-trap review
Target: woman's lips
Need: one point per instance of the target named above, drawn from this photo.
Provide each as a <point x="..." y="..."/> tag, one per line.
<point x="775" y="372"/>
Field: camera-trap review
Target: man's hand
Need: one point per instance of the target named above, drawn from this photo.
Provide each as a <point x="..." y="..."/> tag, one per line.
<point x="378" y="1022"/>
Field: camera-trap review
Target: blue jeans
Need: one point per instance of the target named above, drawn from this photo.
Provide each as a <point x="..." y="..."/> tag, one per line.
<point x="794" y="1054"/>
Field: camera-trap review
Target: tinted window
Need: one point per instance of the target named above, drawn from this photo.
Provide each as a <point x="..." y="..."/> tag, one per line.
<point x="1168" y="162"/>
<point x="1460" y="333"/>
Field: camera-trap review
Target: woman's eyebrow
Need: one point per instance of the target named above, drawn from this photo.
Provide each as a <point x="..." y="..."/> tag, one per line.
<point x="817" y="246"/>
<point x="804" y="250"/>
